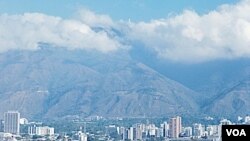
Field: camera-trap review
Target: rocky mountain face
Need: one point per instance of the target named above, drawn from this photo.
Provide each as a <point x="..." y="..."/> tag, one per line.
<point x="221" y="84"/>
<point x="55" y="82"/>
<point x="232" y="102"/>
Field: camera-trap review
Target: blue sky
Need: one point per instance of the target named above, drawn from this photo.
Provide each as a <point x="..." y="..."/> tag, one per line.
<point x="137" y="10"/>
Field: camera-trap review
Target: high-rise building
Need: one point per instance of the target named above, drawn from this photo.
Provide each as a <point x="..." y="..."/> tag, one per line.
<point x="165" y="129"/>
<point x="198" y="130"/>
<point x="1" y="125"/>
<point x="82" y="136"/>
<point x="159" y="132"/>
<point x="131" y="133"/>
<point x="213" y="130"/>
<point x="138" y="134"/>
<point x="175" y="127"/>
<point x="125" y="134"/>
<point x="11" y="122"/>
<point x="32" y="130"/>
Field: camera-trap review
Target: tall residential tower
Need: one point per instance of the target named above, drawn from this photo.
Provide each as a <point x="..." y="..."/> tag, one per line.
<point x="11" y="122"/>
<point x="175" y="127"/>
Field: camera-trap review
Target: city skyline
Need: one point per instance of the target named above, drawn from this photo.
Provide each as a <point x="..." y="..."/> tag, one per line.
<point x="171" y="129"/>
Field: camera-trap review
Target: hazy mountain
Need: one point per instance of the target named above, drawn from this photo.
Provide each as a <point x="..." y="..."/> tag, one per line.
<point x="55" y="82"/>
<point x="222" y="85"/>
<point x="232" y="102"/>
<point x="208" y="79"/>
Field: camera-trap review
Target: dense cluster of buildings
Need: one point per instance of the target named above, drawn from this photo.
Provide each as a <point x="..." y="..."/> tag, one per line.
<point x="40" y="130"/>
<point x="143" y="131"/>
<point x="171" y="130"/>
<point x="10" y="129"/>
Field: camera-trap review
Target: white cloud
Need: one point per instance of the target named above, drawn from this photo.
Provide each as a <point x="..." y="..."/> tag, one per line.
<point x="92" y="19"/>
<point x="189" y="37"/>
<point x="27" y="30"/>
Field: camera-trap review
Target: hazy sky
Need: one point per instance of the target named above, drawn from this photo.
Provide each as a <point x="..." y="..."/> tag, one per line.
<point x="189" y="31"/>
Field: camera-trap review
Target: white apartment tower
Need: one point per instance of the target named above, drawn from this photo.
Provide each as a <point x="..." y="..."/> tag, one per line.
<point x="131" y="133"/>
<point x="175" y="127"/>
<point x="11" y="122"/>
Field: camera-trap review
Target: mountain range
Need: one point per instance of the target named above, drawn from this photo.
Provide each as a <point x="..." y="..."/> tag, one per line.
<point x="54" y="82"/>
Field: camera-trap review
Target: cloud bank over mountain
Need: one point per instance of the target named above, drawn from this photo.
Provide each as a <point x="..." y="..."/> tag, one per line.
<point x="27" y="30"/>
<point x="188" y="37"/>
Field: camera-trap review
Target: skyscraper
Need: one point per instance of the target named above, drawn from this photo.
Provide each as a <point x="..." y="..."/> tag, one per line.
<point x="1" y="125"/>
<point x="138" y="132"/>
<point x="11" y="122"/>
<point x="175" y="127"/>
<point x="165" y="129"/>
<point x="131" y="133"/>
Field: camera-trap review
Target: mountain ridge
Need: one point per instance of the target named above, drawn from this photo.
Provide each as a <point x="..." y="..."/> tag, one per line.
<point x="55" y="82"/>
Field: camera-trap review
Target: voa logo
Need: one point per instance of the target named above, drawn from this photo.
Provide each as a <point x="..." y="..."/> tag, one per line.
<point x="236" y="132"/>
